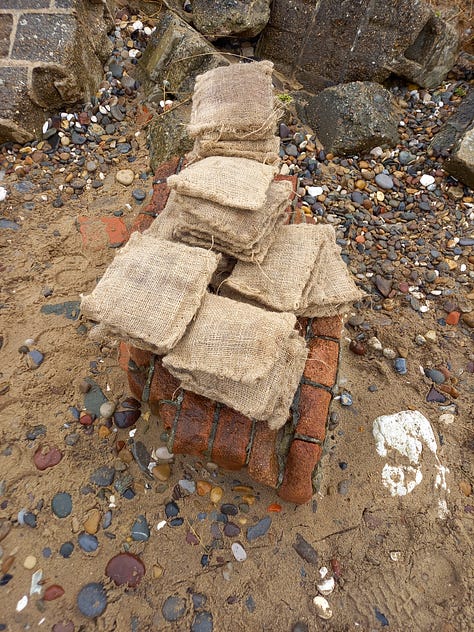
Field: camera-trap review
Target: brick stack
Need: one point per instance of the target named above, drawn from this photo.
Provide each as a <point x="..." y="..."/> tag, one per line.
<point x="286" y="460"/>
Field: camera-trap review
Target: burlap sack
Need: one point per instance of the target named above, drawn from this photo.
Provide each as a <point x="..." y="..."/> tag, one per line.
<point x="234" y="102"/>
<point x="242" y="235"/>
<point x="265" y="150"/>
<point x="222" y="272"/>
<point x="278" y="282"/>
<point x="236" y="182"/>
<point x="151" y="291"/>
<point x="163" y="225"/>
<point x="267" y="399"/>
<point x="330" y="289"/>
<point x="231" y="340"/>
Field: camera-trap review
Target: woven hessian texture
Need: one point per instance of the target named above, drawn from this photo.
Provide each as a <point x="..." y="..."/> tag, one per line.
<point x="151" y="291"/>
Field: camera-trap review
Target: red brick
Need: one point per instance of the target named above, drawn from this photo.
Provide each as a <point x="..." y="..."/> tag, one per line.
<point x="166" y="169"/>
<point x="263" y="461"/>
<point x="141" y="357"/>
<point x="330" y="326"/>
<point x="141" y="222"/>
<point x="313" y="412"/>
<point x="159" y="198"/>
<point x="297" y="484"/>
<point x="194" y="425"/>
<point x="163" y="384"/>
<point x="136" y="383"/>
<point x="321" y="365"/>
<point x="102" y="232"/>
<point x="231" y="440"/>
<point x="292" y="179"/>
<point x="123" y="356"/>
<point x="166" y="412"/>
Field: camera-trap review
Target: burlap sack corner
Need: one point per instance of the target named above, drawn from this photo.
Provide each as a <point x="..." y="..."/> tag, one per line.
<point x="151" y="291"/>
<point x="265" y="150"/>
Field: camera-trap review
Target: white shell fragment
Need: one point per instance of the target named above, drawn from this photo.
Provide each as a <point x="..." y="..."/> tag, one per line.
<point x="322" y="607"/>
<point x="3" y="193"/>
<point x="162" y="454"/>
<point x="239" y="552"/>
<point x="426" y="180"/>
<point x="21" y="605"/>
<point x="326" y="586"/>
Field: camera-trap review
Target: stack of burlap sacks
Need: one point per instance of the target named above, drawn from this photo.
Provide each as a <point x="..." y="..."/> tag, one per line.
<point x="222" y="229"/>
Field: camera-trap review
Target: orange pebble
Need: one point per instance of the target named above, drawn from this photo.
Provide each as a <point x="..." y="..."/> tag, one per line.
<point x="360" y="239"/>
<point x="103" y="432"/>
<point x="203" y="488"/>
<point x="453" y="318"/>
<point x="275" y="507"/>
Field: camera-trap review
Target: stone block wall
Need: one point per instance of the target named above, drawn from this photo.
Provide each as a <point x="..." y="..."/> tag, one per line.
<point x="51" y="55"/>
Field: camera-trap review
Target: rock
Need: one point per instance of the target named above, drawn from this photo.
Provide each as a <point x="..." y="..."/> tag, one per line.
<point x="125" y="568"/>
<point x="103" y="476"/>
<point x="259" y="529"/>
<point x="468" y="319"/>
<point x="92" y="600"/>
<point x="186" y="486"/>
<point x="352" y="118"/>
<point x="371" y="41"/>
<point x="400" y="365"/>
<point x="322" y="607"/>
<point x="66" y="549"/>
<point x="125" y="176"/>
<point x="94" y="398"/>
<point x="384" y="286"/>
<point x="231" y="530"/>
<point x="126" y="418"/>
<point x="34" y="359"/>
<point x="426" y="180"/>
<point x="455" y="126"/>
<point x="63" y="626"/>
<point x="216" y="494"/>
<point x="238" y="552"/>
<point x="435" y="376"/>
<point x="173" y="608"/>
<point x="168" y="136"/>
<point x="435" y="396"/>
<point x="61" y="504"/>
<point x="107" y="409"/>
<point x="174" y="56"/>
<point x="202" y="622"/>
<point x="91" y="524"/>
<point x="171" y="509"/>
<point x="384" y="181"/>
<point x="140" y="529"/>
<point x="30" y="562"/>
<point x="162" y="471"/>
<point x="305" y="550"/>
<point x="240" y="18"/>
<point x="343" y="487"/>
<point x="229" y="509"/>
<point x="45" y="457"/>
<point x="461" y="162"/>
<point x="53" y="592"/>
<point x="88" y="542"/>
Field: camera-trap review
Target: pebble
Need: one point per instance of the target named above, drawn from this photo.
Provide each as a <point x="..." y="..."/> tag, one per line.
<point x="88" y="542"/>
<point x="300" y="627"/>
<point x="173" y="608"/>
<point x="202" y="622"/>
<point x="216" y="494"/>
<point x="53" y="592"/>
<point x="162" y="454"/>
<point x="125" y="176"/>
<point x="91" y="524"/>
<point x="107" y="409"/>
<point x="61" y="504"/>
<point x="171" y="509"/>
<point x="46" y="457"/>
<point x="426" y="180"/>
<point x="140" y="529"/>
<point x="139" y="195"/>
<point x="125" y="568"/>
<point x="162" y="471"/>
<point x="231" y="530"/>
<point x="435" y="396"/>
<point x="384" y="181"/>
<point x="322" y="607"/>
<point x="260" y="529"/>
<point x="63" y="626"/>
<point x="187" y="486"/>
<point x="465" y="487"/>
<point x="126" y="418"/>
<point x="447" y="418"/>
<point x="92" y="600"/>
<point x="103" y="476"/>
<point x="30" y="562"/>
<point x="343" y="487"/>
<point x="305" y="550"/>
<point x="34" y="359"/>
<point x="400" y="365"/>
<point x="66" y="549"/>
<point x="238" y="552"/>
<point x="435" y="376"/>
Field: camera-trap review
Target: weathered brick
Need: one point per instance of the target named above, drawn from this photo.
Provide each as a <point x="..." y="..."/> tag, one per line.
<point x="141" y="357"/>
<point x="166" y="411"/>
<point x="263" y="461"/>
<point x="292" y="179"/>
<point x="136" y="383"/>
<point x="42" y="37"/>
<point x="313" y="412"/>
<point x="103" y="232"/>
<point x="141" y="222"/>
<point x="297" y="484"/>
<point x="163" y="384"/>
<point x="321" y="365"/>
<point x="123" y="355"/>
<point x="165" y="170"/>
<point x="194" y="425"/>
<point x="6" y="24"/>
<point x="231" y="439"/>
<point x="330" y="326"/>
